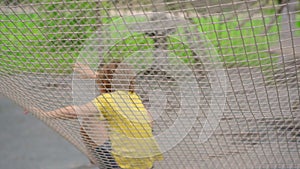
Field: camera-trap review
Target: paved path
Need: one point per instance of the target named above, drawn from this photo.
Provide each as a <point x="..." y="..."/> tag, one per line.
<point x="27" y="143"/>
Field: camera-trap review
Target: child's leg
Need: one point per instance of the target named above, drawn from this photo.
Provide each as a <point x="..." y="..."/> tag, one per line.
<point x="93" y="132"/>
<point x="90" y="145"/>
<point x="100" y="155"/>
<point x="104" y="156"/>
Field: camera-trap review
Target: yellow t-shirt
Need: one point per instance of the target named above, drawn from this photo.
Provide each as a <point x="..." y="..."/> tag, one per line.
<point x="133" y="144"/>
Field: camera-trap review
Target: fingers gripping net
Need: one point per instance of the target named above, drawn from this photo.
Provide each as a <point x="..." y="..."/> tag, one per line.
<point x="179" y="84"/>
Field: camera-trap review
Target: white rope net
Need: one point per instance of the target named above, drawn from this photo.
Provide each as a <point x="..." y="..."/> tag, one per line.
<point x="179" y="83"/>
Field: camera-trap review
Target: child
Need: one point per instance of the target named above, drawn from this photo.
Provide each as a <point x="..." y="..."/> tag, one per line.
<point x="130" y="128"/>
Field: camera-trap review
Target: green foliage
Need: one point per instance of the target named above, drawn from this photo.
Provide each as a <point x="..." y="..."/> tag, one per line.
<point x="70" y="23"/>
<point x="22" y="44"/>
<point x="49" y="41"/>
<point x="246" y="46"/>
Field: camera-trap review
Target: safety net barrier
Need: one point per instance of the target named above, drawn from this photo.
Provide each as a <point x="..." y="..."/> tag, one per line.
<point x="159" y="83"/>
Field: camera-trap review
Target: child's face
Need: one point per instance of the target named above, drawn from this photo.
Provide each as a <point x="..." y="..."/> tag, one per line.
<point x="115" y="76"/>
<point x="104" y="87"/>
<point x="122" y="80"/>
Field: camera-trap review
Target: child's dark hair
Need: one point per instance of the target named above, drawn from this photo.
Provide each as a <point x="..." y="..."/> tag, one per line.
<point x="105" y="76"/>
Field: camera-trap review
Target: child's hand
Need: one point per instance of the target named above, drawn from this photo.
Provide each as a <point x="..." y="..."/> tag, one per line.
<point x="64" y="113"/>
<point x="25" y="111"/>
<point x="84" y="71"/>
<point x="34" y="110"/>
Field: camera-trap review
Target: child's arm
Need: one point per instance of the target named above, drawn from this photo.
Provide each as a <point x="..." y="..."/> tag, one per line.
<point x="70" y="112"/>
<point x="85" y="71"/>
<point x="150" y="118"/>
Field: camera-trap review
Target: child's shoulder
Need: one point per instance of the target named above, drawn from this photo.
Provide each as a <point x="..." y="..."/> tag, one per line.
<point x="119" y="96"/>
<point x="113" y="95"/>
